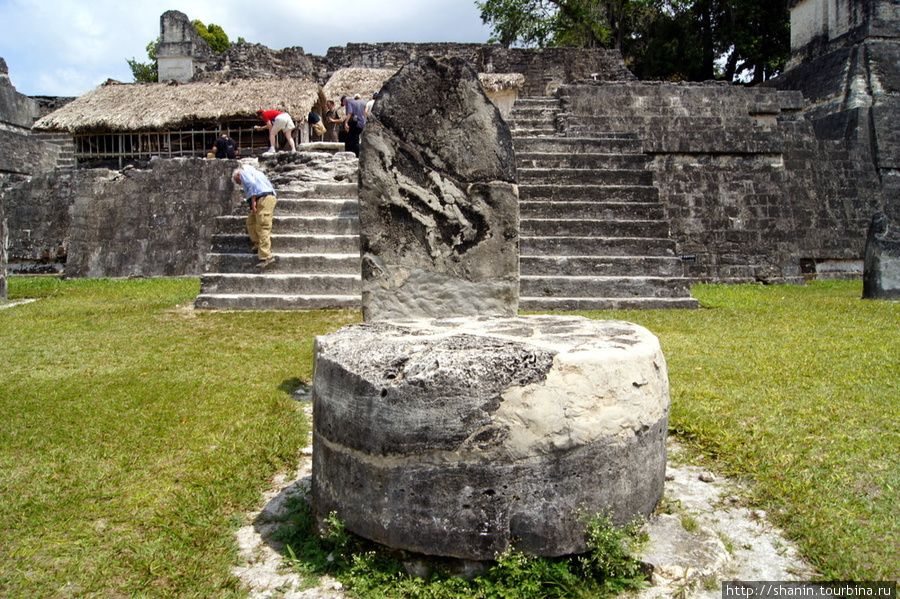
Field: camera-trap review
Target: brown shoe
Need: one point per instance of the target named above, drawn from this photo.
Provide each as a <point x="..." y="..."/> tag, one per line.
<point x="264" y="263"/>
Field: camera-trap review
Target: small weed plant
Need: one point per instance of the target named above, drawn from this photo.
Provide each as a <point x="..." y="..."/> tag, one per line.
<point x="371" y="571"/>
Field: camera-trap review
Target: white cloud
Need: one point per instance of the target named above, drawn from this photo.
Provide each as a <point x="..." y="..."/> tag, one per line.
<point x="67" y="47"/>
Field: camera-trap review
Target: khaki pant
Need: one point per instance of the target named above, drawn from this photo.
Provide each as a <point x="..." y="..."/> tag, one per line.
<point x="259" y="225"/>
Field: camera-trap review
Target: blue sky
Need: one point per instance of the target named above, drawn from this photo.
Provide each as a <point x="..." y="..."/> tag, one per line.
<point x="68" y="47"/>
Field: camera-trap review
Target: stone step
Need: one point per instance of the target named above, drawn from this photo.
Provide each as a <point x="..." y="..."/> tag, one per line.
<point x="528" y="108"/>
<point x="280" y="284"/>
<point x="349" y="264"/>
<point x="613" y="286"/>
<point x="594" y="246"/>
<point x="335" y="207"/>
<point x="575" y="304"/>
<point x="535" y="132"/>
<point x="539" y="112"/>
<point x="233" y="263"/>
<point x="558" y="227"/>
<point x="604" y="193"/>
<point x="259" y="301"/>
<point x="524" y="123"/>
<point x="531" y="102"/>
<point x="592" y="210"/>
<point x="661" y="118"/>
<point x="585" y="176"/>
<point x="556" y="160"/>
<point x="607" y="144"/>
<point x="526" y="104"/>
<point x="325" y="190"/>
<point x="601" y="266"/>
<point x="308" y="225"/>
<point x="291" y="244"/>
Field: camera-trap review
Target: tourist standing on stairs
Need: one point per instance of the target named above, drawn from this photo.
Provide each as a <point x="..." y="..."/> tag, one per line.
<point x="354" y="121"/>
<point x="260" y="196"/>
<point x="277" y="121"/>
<point x="333" y="121"/>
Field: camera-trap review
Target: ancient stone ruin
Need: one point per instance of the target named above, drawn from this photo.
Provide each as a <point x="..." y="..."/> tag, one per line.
<point x="438" y="199"/>
<point x="881" y="273"/>
<point x="630" y="191"/>
<point x="444" y="430"/>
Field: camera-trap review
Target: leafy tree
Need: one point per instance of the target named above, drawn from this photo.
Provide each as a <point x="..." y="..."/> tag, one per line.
<point x="528" y="22"/>
<point x="745" y="40"/>
<point x="146" y="72"/>
<point x="213" y="35"/>
<point x="760" y="34"/>
<point x="581" y="23"/>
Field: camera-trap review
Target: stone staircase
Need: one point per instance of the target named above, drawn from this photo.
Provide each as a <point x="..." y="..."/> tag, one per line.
<point x="315" y="239"/>
<point x="66" y="147"/>
<point x="594" y="234"/>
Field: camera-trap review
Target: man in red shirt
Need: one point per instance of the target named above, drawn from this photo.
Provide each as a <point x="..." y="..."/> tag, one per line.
<point x="277" y="121"/>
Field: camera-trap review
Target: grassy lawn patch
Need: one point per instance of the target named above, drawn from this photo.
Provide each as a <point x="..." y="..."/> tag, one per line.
<point x="135" y="434"/>
<point x="797" y="390"/>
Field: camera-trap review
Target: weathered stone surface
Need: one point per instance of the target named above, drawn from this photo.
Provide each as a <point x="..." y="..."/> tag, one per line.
<point x="750" y="193"/>
<point x="181" y="51"/>
<point x="16" y="110"/>
<point x="244" y="60"/>
<point x="438" y="202"/>
<point x="26" y="154"/>
<point x="3" y="239"/>
<point x="460" y="437"/>
<point x="674" y="555"/>
<point x="152" y="222"/>
<point x="20" y="152"/>
<point x="545" y="69"/>
<point x="881" y="268"/>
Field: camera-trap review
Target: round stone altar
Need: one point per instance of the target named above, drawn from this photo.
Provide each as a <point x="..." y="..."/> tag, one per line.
<point x="461" y="437"/>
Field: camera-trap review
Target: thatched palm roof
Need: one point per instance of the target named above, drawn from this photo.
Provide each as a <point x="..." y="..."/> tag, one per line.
<point x="362" y="81"/>
<point x="356" y="81"/>
<point x="494" y="82"/>
<point x="125" y="107"/>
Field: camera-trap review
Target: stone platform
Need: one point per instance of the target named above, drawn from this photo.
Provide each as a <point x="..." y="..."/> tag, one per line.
<point x="462" y="437"/>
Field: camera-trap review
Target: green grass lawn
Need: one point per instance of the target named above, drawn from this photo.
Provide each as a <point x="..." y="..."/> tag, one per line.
<point x="135" y="434"/>
<point x="796" y="389"/>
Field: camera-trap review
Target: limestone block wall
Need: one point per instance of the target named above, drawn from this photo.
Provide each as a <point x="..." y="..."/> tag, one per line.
<point x="26" y="154"/>
<point x="816" y="24"/>
<point x="751" y="193"/>
<point x="844" y="57"/>
<point x="17" y="111"/>
<point x="246" y="60"/>
<point x="20" y="153"/>
<point x="39" y="217"/>
<point x="544" y="69"/>
<point x="3" y="257"/>
<point x="154" y="222"/>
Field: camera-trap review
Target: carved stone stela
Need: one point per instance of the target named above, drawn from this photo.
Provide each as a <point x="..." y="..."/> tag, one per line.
<point x="438" y="215"/>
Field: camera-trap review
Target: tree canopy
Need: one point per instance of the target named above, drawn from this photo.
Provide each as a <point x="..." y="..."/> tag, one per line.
<point x="213" y="35"/>
<point x="147" y="72"/>
<point x="693" y="40"/>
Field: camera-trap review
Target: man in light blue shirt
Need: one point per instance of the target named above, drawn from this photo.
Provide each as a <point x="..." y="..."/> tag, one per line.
<point x="260" y="196"/>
